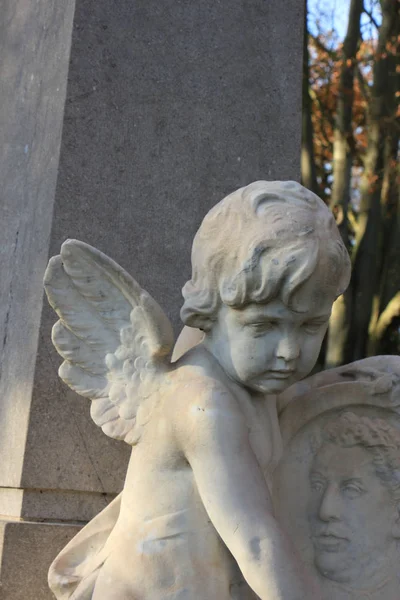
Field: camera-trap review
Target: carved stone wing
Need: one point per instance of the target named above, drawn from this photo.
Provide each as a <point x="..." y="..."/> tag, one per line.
<point x="114" y="338"/>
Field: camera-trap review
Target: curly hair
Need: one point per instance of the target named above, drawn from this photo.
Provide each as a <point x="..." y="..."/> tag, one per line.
<point x="262" y="241"/>
<point x="377" y="436"/>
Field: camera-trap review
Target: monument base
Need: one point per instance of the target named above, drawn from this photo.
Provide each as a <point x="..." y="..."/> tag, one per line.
<point x="26" y="551"/>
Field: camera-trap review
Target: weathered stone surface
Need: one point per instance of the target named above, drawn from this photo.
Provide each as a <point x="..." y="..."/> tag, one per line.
<point x="26" y="549"/>
<point x="34" y="46"/>
<point x="52" y="505"/>
<point x="170" y="106"/>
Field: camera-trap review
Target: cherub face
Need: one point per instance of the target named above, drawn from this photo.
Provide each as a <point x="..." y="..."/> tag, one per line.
<point x="267" y="347"/>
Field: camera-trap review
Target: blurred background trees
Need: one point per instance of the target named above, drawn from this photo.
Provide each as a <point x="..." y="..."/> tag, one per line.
<point x="350" y="151"/>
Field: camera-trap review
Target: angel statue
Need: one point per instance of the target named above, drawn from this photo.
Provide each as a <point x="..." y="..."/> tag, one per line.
<point x="194" y="520"/>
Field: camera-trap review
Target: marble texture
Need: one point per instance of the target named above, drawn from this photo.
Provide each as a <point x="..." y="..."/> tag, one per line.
<point x="337" y="485"/>
<point x="195" y="518"/>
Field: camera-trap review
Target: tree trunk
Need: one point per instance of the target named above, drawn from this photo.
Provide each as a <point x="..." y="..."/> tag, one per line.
<point x="383" y="311"/>
<point x="342" y="163"/>
<point x="367" y="255"/>
<point x="343" y="135"/>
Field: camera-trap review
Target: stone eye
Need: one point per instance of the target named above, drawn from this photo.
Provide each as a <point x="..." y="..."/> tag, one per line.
<point x="317" y="486"/>
<point x="313" y="326"/>
<point x="352" y="490"/>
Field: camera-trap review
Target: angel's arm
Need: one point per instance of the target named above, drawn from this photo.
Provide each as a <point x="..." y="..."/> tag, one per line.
<point x="233" y="490"/>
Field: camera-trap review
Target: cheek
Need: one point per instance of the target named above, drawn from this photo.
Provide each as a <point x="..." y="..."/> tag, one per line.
<point x="310" y="349"/>
<point x="313" y="505"/>
<point x="369" y="520"/>
<point x="251" y="355"/>
<point x="243" y="352"/>
<point x="264" y="348"/>
<point x="379" y="522"/>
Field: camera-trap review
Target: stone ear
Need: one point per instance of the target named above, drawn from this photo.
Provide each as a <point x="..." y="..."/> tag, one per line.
<point x="204" y="324"/>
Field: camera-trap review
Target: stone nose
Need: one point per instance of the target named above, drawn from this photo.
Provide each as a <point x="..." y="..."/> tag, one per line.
<point x="288" y="348"/>
<point x="329" y="508"/>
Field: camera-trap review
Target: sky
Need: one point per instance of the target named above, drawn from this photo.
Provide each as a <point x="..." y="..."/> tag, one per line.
<point x="333" y="14"/>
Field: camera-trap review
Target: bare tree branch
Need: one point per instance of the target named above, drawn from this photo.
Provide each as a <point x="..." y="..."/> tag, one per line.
<point x="371" y="18"/>
<point x="317" y="41"/>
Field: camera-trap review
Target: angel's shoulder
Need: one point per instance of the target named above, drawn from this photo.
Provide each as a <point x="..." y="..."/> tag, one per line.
<point x="205" y="413"/>
<point x="202" y="397"/>
<point x="201" y="388"/>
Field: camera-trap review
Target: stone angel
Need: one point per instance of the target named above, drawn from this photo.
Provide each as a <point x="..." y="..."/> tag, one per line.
<point x="195" y="518"/>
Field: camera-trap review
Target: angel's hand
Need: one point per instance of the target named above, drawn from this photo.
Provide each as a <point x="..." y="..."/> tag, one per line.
<point x="114" y="337"/>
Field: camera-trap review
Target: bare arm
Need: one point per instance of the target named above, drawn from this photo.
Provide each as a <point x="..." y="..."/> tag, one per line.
<point x="214" y="437"/>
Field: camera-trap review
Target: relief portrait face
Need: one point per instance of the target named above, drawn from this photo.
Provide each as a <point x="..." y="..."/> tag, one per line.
<point x="352" y="515"/>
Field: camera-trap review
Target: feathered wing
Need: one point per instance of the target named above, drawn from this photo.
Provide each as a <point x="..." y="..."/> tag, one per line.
<point x="114" y="338"/>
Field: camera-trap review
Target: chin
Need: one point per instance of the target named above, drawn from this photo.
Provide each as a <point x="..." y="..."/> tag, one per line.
<point x="332" y="569"/>
<point x="270" y="386"/>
